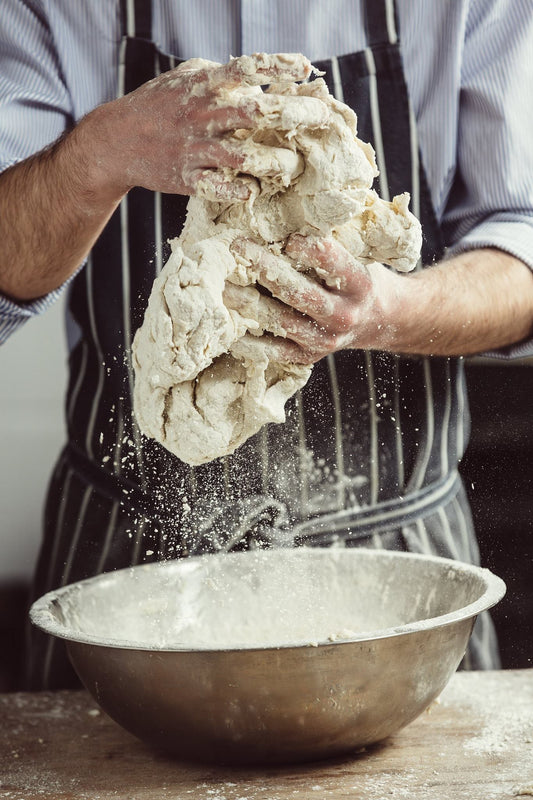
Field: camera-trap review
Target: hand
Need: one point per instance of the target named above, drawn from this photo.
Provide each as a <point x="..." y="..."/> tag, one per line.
<point x="353" y="306"/>
<point x="474" y="302"/>
<point x="174" y="133"/>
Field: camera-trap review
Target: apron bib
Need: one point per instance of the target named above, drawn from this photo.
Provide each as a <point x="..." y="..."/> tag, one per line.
<point x="368" y="455"/>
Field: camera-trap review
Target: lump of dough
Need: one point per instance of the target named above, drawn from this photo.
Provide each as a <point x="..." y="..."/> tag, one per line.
<point x="204" y="382"/>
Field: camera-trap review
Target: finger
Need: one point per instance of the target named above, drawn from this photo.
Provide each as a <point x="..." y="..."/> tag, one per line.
<point x="331" y="261"/>
<point x="249" y="71"/>
<point x="251" y="111"/>
<point x="219" y="187"/>
<point x="276" y="349"/>
<point x="232" y="99"/>
<point x="288" y="112"/>
<point x="251" y="304"/>
<point x="393" y="233"/>
<point x="281" y="321"/>
<point x="188" y="74"/>
<point x="270" y="314"/>
<point x="244" y="156"/>
<point x="289" y="350"/>
<point x="195" y="66"/>
<point x="278" y="275"/>
<point x="260" y="69"/>
<point x="263" y="161"/>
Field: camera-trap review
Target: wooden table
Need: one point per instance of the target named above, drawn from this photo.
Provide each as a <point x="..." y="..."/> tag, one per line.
<point x="475" y="743"/>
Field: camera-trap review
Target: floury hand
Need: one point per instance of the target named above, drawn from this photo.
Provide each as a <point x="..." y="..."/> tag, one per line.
<point x="175" y="133"/>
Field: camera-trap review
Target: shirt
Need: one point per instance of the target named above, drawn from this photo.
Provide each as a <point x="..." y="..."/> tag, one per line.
<point x="468" y="65"/>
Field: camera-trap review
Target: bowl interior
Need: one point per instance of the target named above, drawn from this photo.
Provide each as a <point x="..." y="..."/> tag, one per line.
<point x="267" y="598"/>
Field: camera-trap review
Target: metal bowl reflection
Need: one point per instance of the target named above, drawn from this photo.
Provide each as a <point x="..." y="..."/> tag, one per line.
<point x="270" y="655"/>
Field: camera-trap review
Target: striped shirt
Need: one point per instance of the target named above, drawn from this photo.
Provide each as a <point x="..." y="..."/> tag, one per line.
<point x="468" y="65"/>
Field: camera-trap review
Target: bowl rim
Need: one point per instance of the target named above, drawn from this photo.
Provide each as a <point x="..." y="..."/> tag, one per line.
<point x="495" y="588"/>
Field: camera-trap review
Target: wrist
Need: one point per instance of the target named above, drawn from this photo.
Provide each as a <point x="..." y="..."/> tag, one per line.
<point x="395" y="326"/>
<point x="410" y="314"/>
<point x="91" y="146"/>
<point x="420" y="313"/>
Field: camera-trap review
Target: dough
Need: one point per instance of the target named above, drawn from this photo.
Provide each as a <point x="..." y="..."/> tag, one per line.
<point x="204" y="381"/>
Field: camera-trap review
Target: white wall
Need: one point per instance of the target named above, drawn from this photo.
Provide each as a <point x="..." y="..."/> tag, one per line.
<point x="32" y="386"/>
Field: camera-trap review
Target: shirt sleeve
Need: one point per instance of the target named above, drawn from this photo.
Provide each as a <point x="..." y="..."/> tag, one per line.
<point x="35" y="108"/>
<point x="491" y="200"/>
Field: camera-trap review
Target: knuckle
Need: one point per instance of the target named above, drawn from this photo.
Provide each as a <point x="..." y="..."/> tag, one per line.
<point x="328" y="343"/>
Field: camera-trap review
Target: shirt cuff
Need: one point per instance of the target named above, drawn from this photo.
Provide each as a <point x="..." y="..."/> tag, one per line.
<point x="511" y="233"/>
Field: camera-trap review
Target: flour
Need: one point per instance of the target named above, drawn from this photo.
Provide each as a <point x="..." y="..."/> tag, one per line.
<point x="232" y="601"/>
<point x="205" y="377"/>
<point x="274" y="597"/>
<point x="502" y="729"/>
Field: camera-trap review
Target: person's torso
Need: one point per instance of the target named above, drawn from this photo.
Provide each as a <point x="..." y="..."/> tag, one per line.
<point x="320" y="30"/>
<point x="368" y="429"/>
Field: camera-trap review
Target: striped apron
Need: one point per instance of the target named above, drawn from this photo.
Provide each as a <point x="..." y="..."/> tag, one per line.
<point x="368" y="454"/>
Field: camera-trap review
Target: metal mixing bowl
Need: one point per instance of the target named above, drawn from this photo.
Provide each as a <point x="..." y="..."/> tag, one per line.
<point x="270" y="655"/>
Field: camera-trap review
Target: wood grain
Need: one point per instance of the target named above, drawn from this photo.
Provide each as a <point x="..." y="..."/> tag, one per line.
<point x="476" y="743"/>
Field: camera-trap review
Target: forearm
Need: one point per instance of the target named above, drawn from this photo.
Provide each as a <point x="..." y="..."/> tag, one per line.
<point x="52" y="209"/>
<point x="476" y="301"/>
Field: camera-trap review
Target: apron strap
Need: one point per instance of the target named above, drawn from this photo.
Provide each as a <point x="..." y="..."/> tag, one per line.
<point x="381" y="22"/>
<point x="136" y="19"/>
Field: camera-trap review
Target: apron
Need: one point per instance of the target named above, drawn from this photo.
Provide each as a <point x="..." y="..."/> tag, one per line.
<point x="368" y="455"/>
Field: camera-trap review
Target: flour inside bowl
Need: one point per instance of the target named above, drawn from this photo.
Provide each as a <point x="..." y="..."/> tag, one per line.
<point x="264" y="598"/>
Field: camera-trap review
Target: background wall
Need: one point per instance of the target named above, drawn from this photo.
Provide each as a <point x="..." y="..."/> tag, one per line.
<point x="32" y="385"/>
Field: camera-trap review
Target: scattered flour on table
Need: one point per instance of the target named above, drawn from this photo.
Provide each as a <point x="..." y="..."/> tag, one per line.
<point x="502" y="728"/>
<point x="200" y="361"/>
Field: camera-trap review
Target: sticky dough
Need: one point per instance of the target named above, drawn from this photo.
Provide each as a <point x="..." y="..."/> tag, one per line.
<point x="204" y="382"/>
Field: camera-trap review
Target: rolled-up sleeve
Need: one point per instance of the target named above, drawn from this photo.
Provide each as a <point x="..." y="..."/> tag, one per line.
<point x="35" y="108"/>
<point x="491" y="200"/>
